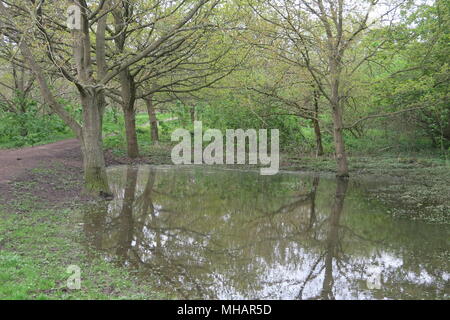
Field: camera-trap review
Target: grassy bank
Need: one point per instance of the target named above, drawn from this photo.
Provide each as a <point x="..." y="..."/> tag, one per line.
<point x="42" y="234"/>
<point x="37" y="246"/>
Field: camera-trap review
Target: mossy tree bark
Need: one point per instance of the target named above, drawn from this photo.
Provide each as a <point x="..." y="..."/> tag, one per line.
<point x="92" y="100"/>
<point x="92" y="144"/>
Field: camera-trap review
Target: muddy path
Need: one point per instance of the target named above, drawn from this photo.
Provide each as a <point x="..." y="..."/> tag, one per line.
<point x="14" y="163"/>
<point x="48" y="175"/>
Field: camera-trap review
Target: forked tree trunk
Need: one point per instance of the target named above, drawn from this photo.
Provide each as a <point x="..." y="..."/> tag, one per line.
<point x="90" y="135"/>
<point x="152" y="117"/>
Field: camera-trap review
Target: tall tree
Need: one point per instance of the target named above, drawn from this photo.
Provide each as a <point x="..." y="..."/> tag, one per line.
<point x="90" y="72"/>
<point x="179" y="64"/>
<point x="318" y="35"/>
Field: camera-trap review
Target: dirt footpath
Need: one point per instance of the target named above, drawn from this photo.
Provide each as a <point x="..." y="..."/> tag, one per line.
<point x="13" y="163"/>
<point x="48" y="175"/>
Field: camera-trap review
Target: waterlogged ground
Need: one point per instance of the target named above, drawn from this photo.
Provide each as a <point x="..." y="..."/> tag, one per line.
<point x="214" y="233"/>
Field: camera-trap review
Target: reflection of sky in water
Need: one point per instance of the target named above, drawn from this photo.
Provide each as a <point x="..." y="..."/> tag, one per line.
<point x="283" y="281"/>
<point x="236" y="235"/>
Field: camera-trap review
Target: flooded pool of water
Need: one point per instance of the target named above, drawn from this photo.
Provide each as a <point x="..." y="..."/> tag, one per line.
<point x="224" y="234"/>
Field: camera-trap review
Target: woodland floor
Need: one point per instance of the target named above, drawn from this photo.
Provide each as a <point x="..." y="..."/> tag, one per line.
<point x="52" y="172"/>
<point x="41" y="230"/>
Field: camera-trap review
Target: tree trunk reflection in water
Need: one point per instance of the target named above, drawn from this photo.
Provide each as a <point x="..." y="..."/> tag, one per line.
<point x="126" y="215"/>
<point x="95" y="226"/>
<point x="332" y="241"/>
<point x="313" y="218"/>
<point x="145" y="203"/>
<point x="333" y="238"/>
<point x="139" y="219"/>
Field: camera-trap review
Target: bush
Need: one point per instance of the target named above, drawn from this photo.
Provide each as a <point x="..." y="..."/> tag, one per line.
<point x="32" y="127"/>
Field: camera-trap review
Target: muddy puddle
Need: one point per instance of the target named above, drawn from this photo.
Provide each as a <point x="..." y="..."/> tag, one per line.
<point x="224" y="234"/>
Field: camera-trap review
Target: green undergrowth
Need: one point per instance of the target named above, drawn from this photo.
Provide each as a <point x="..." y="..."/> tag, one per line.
<point x="37" y="247"/>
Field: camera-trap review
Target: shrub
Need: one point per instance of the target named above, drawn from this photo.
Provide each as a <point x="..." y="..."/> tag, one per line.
<point x="31" y="127"/>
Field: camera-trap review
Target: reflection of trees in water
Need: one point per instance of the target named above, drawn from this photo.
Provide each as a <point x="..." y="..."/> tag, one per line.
<point x="333" y="244"/>
<point x="210" y="237"/>
<point x="125" y="220"/>
<point x="136" y="234"/>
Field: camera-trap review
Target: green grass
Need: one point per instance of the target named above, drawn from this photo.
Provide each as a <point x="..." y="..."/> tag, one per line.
<point x="115" y="140"/>
<point x="36" y="247"/>
<point x="142" y="117"/>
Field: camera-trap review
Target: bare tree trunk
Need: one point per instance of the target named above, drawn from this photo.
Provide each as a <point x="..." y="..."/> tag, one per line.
<point x="316" y="124"/>
<point x="127" y="81"/>
<point x="341" y="156"/>
<point x="446" y="131"/>
<point x="92" y="144"/>
<point x="20" y="95"/>
<point x="192" y="113"/>
<point x="338" y="127"/>
<point x="128" y="91"/>
<point x="152" y="117"/>
<point x="318" y="134"/>
<point x="130" y="132"/>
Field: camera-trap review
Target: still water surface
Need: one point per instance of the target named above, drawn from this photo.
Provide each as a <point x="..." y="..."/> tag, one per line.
<point x="224" y="234"/>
